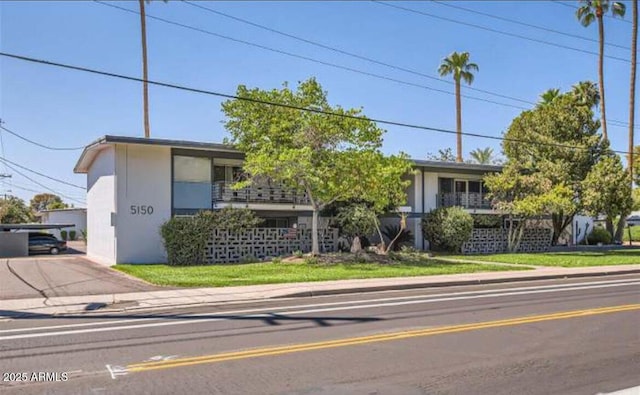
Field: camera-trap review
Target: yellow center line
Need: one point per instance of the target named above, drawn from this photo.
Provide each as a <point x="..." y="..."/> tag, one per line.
<point x="261" y="352"/>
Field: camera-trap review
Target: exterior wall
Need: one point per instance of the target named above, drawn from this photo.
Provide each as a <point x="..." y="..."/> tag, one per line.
<point x="13" y="244"/>
<point x="101" y="203"/>
<point x="143" y="202"/>
<point x="582" y="226"/>
<point x="77" y="217"/>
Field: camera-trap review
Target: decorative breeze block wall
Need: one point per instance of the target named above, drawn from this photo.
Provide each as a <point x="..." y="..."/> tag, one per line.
<point x="491" y="241"/>
<point x="226" y="246"/>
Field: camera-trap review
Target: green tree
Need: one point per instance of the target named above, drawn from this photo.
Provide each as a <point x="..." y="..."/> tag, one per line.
<point x="586" y="92"/>
<point x="569" y="145"/>
<point x="46" y="201"/>
<point x="482" y="156"/>
<point x="523" y="196"/>
<point x="13" y="210"/>
<point x="549" y="96"/>
<point x="459" y="66"/>
<point x="445" y="155"/>
<point x="594" y="10"/>
<point x="607" y="190"/>
<point x="327" y="157"/>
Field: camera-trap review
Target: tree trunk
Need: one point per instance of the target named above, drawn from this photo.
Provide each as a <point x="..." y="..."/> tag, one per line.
<point x="315" y="246"/>
<point x="458" y="123"/>
<point x="382" y="243"/>
<point x="609" y="226"/>
<point x="145" y="85"/>
<point x="603" y="111"/>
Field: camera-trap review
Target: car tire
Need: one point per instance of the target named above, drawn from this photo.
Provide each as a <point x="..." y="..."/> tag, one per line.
<point x="54" y="251"/>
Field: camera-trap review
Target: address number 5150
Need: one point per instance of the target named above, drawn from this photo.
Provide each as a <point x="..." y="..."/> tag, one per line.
<point x="141" y="210"/>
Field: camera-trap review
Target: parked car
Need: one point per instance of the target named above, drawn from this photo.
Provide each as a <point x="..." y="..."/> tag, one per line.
<point x="45" y="243"/>
<point x="633" y="220"/>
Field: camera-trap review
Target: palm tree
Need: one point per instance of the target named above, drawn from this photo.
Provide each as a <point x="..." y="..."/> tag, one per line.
<point x="549" y="96"/>
<point x="589" y="11"/>
<point x="482" y="156"/>
<point x="458" y="65"/>
<point x="145" y="74"/>
<point x="632" y="85"/>
<point x="587" y="93"/>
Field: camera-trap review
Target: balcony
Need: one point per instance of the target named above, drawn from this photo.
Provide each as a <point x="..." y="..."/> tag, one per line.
<point x="223" y="193"/>
<point x="470" y="200"/>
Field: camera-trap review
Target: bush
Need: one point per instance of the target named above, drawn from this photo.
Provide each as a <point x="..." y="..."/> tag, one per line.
<point x="391" y="231"/>
<point x="185" y="238"/>
<point x="599" y="235"/>
<point x="447" y="228"/>
<point x="481" y="221"/>
<point x="63" y="235"/>
<point x="72" y="235"/>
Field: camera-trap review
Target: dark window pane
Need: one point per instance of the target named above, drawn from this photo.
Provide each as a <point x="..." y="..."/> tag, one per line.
<point x="219" y="173"/>
<point x="461" y="186"/>
<point x="474" y="186"/>
<point x="446" y="185"/>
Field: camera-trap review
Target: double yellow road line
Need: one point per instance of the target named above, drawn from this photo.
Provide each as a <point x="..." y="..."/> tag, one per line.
<point x="263" y="352"/>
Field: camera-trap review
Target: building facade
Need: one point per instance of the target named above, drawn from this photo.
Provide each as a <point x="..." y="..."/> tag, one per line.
<point x="134" y="185"/>
<point x="75" y="216"/>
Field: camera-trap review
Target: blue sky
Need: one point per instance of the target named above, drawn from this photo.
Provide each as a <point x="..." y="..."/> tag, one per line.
<point x="69" y="108"/>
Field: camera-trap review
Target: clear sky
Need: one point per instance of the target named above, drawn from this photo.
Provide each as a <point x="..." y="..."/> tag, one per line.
<point x="68" y="108"/>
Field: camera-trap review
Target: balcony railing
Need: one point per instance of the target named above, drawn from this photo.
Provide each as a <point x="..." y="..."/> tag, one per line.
<point x="462" y="199"/>
<point x="222" y="192"/>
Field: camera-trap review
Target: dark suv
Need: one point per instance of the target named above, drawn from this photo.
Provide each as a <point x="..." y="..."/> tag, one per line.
<point x="45" y="243"/>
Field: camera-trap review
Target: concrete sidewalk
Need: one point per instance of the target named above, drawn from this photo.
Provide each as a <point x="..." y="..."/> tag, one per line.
<point x="200" y="296"/>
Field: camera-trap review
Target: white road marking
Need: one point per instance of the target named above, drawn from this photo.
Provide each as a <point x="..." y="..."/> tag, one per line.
<point x="115" y="371"/>
<point x="627" y="391"/>
<point x="158" y="358"/>
<point x="497" y="293"/>
<point x="270" y="314"/>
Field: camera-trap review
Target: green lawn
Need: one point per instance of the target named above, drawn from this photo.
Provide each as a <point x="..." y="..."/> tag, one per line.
<point x="274" y="273"/>
<point x="635" y="233"/>
<point x="563" y="259"/>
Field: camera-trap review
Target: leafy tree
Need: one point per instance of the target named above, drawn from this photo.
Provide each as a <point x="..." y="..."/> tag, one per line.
<point x="356" y="220"/>
<point x="13" y="210"/>
<point x="549" y="96"/>
<point x="586" y="92"/>
<point x="594" y="10"/>
<point x="46" y="201"/>
<point x="445" y="155"/>
<point x="607" y="190"/>
<point x="327" y="157"/>
<point x="461" y="68"/>
<point x="482" y="156"/>
<point x="568" y="147"/>
<point x="523" y="196"/>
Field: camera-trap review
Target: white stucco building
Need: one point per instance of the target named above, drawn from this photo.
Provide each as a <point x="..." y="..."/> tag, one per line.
<point x="134" y="185"/>
<point x="75" y="216"/>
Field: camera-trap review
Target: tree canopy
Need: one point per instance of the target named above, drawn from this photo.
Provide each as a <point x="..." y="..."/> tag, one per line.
<point x="13" y="210"/>
<point x="46" y="201"/>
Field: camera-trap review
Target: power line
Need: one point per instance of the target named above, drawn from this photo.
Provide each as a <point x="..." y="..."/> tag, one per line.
<point x="411" y="10"/>
<point x="297" y="56"/>
<point x="546" y="29"/>
<point x="6" y="161"/>
<point x="347" y="53"/>
<point x="44" y="186"/>
<point x="38" y="144"/>
<point x="289" y="106"/>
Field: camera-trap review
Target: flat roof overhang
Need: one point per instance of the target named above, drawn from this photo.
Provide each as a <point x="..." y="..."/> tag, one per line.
<point x="10" y="227"/>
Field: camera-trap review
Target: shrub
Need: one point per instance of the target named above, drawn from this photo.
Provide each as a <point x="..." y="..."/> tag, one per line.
<point x="599" y="235"/>
<point x="72" y="235"/>
<point x="447" y="228"/>
<point x="486" y="221"/>
<point x="84" y="235"/>
<point x="297" y="254"/>
<point x="391" y="231"/>
<point x="312" y="260"/>
<point x="63" y="235"/>
<point x="185" y="238"/>
<point x="276" y="260"/>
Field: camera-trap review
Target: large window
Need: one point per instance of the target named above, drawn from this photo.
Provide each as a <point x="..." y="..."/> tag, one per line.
<point x="191" y="183"/>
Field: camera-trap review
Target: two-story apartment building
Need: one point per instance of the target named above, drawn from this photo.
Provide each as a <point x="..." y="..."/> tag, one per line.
<point x="134" y="185"/>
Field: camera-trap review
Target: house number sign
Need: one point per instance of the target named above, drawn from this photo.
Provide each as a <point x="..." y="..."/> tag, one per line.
<point x="141" y="210"/>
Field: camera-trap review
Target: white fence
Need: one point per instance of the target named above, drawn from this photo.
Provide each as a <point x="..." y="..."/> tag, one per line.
<point x="226" y="246"/>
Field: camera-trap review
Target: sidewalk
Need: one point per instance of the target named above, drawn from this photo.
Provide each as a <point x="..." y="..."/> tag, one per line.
<point x="200" y="296"/>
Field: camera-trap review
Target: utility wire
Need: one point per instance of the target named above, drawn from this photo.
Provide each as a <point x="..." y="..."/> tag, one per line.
<point x="7" y="161"/>
<point x="294" y="55"/>
<point x="44" y="186"/>
<point x="414" y="11"/>
<point x="546" y="29"/>
<point x="347" y="53"/>
<point x="338" y="51"/>
<point x="38" y="144"/>
<point x="289" y="106"/>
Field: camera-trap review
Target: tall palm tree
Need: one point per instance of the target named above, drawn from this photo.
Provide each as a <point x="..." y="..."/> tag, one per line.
<point x="632" y="85"/>
<point x="482" y="156"/>
<point x="594" y="10"/>
<point x="458" y="64"/>
<point x="549" y="96"/>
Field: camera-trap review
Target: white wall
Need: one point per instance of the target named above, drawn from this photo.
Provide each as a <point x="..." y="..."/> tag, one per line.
<point x="100" y="204"/>
<point x="144" y="180"/>
<point x="76" y="217"/>
<point x="579" y="225"/>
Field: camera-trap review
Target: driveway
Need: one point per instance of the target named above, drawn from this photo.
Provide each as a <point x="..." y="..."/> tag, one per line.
<point x="62" y="275"/>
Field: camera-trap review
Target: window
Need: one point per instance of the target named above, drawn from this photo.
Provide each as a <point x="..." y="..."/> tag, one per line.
<point x="191" y="182"/>
<point x="475" y="186"/>
<point x="276" y="223"/>
<point x="446" y="185"/>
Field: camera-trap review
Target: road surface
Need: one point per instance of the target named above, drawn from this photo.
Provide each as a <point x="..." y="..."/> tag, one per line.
<point x="573" y="336"/>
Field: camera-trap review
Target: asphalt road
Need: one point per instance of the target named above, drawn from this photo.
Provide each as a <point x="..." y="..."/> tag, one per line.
<point x="578" y="336"/>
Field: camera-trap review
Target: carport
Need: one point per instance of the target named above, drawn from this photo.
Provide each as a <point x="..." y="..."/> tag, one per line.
<point x="14" y="243"/>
